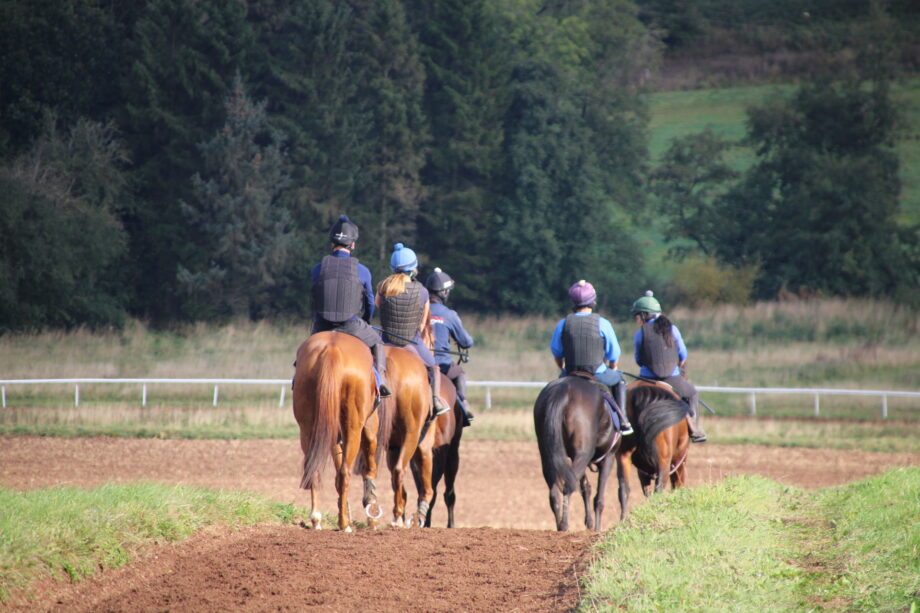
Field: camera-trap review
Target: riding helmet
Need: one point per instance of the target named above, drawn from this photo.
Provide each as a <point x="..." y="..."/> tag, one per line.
<point x="343" y="232"/>
<point x="403" y="259"/>
<point x="439" y="281"/>
<point x="582" y="294"/>
<point x="646" y="304"/>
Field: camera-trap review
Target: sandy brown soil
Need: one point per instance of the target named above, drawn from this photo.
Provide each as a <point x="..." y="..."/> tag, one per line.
<point x="504" y="556"/>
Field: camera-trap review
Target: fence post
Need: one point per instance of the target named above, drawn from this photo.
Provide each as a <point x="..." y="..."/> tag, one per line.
<point x="281" y="400"/>
<point x="144" y="396"/>
<point x="488" y="397"/>
<point x="884" y="406"/>
<point x="215" y="395"/>
<point x="76" y="395"/>
<point x="753" y="399"/>
<point x="817" y="406"/>
<point x="4" y="396"/>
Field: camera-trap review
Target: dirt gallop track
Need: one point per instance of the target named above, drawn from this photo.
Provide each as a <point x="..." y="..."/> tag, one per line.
<point x="504" y="556"/>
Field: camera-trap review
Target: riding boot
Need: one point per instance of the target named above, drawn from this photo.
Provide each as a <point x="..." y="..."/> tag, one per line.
<point x="434" y="377"/>
<point x="460" y="384"/>
<point x="697" y="435"/>
<point x="619" y="392"/>
<point x="380" y="363"/>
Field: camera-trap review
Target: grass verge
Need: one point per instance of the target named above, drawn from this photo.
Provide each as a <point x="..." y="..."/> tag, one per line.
<point x="71" y="533"/>
<point x="750" y="544"/>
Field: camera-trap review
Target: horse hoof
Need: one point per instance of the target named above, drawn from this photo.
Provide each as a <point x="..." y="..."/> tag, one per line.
<point x="369" y="510"/>
<point x="347" y="529"/>
<point x="316" y="520"/>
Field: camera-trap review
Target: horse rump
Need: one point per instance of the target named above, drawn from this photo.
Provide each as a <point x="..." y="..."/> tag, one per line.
<point x="549" y="411"/>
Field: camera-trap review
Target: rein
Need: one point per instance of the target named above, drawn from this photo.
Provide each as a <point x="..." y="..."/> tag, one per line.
<point x="613" y="441"/>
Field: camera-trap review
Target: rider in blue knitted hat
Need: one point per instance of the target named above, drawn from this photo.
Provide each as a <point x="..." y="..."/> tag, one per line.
<point x="405" y="315"/>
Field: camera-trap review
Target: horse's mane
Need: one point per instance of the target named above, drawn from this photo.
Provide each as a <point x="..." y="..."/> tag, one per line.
<point x="655" y="410"/>
<point x="393" y="285"/>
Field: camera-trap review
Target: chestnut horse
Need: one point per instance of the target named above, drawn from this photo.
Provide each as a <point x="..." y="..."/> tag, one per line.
<point x="574" y="429"/>
<point x="334" y="397"/>
<point x="438" y="453"/>
<point x="403" y="419"/>
<point x="658" y="449"/>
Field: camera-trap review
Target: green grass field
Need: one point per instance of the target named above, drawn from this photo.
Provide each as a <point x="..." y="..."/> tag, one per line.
<point x="750" y="544"/>
<point x="680" y="113"/>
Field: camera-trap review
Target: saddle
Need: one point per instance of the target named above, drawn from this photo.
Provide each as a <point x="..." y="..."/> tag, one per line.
<point x="609" y="402"/>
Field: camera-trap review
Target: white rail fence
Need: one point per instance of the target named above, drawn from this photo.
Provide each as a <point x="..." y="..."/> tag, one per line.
<point x="284" y="384"/>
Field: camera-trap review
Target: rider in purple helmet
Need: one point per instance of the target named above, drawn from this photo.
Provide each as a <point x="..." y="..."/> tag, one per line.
<point x="585" y="341"/>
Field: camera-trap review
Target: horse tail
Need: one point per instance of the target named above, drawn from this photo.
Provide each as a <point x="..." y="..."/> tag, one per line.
<point x="326" y="426"/>
<point x="557" y="468"/>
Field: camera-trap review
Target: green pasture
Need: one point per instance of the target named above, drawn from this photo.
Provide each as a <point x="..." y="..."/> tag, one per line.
<point x="681" y="113"/>
<point x="750" y="544"/>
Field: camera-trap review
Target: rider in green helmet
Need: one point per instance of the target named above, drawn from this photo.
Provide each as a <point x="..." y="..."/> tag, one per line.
<point x="661" y="354"/>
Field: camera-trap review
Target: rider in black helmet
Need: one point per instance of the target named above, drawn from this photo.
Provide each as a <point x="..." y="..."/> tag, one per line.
<point x="343" y="295"/>
<point x="446" y="325"/>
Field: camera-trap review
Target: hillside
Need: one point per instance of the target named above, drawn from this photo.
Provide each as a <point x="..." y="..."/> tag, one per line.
<point x="679" y="113"/>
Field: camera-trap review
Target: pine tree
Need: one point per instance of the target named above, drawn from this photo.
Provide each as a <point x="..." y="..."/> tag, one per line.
<point x="184" y="54"/>
<point x="467" y="67"/>
<point x="392" y="94"/>
<point x="237" y="214"/>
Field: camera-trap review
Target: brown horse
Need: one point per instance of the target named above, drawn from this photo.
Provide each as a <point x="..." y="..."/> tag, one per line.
<point x="658" y="449"/>
<point x="575" y="430"/>
<point x="401" y="428"/>
<point x="438" y="453"/>
<point x="334" y="397"/>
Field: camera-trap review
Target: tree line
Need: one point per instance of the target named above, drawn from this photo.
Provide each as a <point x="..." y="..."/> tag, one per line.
<point x="183" y="159"/>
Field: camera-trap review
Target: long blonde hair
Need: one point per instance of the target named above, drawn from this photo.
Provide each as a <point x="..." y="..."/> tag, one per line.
<point x="393" y="285"/>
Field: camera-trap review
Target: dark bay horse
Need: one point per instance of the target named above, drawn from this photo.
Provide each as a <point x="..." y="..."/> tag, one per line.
<point x="574" y="430"/>
<point x="438" y="453"/>
<point x="658" y="449"/>
<point x="334" y="397"/>
<point x="402" y="421"/>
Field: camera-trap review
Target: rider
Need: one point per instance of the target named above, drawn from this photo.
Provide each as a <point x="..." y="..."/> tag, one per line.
<point x="446" y="325"/>
<point x="661" y="354"/>
<point x="404" y="315"/>
<point x="343" y="295"/>
<point x="585" y="341"/>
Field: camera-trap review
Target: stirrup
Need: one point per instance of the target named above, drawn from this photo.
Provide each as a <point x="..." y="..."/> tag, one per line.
<point x="439" y="411"/>
<point x="626" y="429"/>
<point x="699" y="437"/>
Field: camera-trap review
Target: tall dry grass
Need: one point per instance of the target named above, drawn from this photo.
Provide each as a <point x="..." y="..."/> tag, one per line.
<point x="842" y="343"/>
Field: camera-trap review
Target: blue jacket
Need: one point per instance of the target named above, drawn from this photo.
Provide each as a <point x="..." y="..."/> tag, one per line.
<point x="605" y="331"/>
<point x="681" y="351"/>
<point x="363" y="273"/>
<point x="446" y="324"/>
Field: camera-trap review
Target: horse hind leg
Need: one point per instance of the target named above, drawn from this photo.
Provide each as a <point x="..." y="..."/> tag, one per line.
<point x="316" y="518"/>
<point x="602" y="475"/>
<point x="586" y="495"/>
